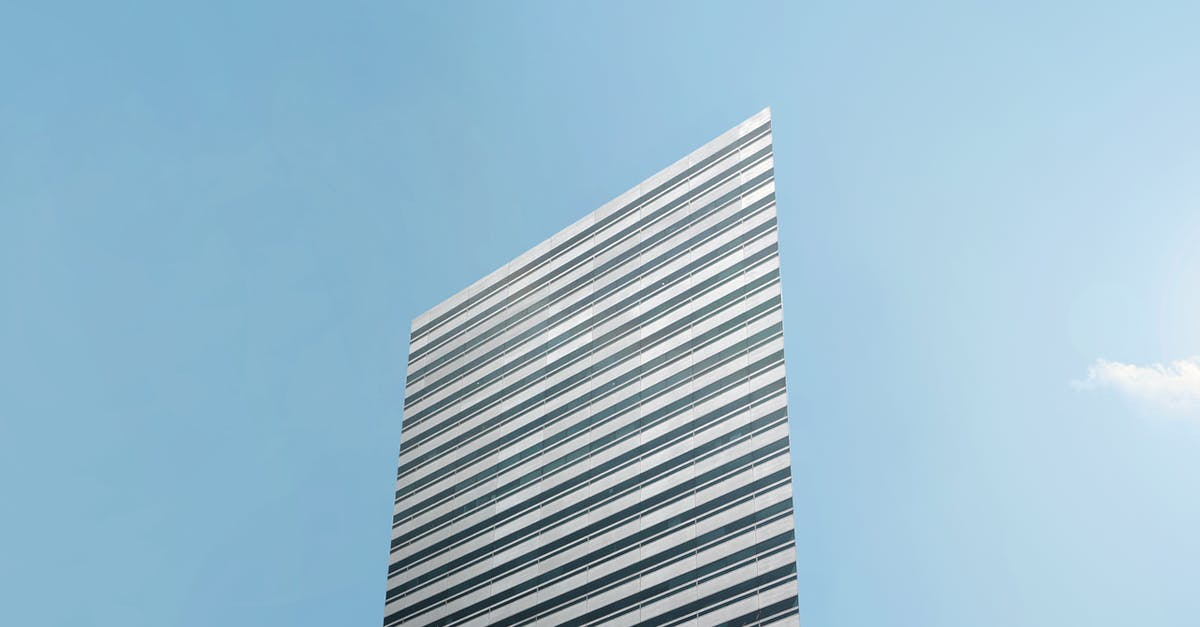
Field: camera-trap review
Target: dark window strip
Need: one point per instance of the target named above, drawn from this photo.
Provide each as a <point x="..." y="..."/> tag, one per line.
<point x="708" y="571"/>
<point x="524" y="354"/>
<point x="620" y="385"/>
<point x="715" y="601"/>
<point x="580" y="508"/>
<point x="581" y="453"/>
<point x="570" y="249"/>
<point x="738" y="496"/>
<point x="546" y="417"/>
<point x="536" y="329"/>
<point x="708" y="391"/>
<point x="506" y="336"/>
<point x="433" y="526"/>
<point x="512" y="341"/>
<point x="760" y="455"/>
<point x="721" y="598"/>
<point x="573" y="382"/>
<point x="620" y="490"/>
<point x="535" y="403"/>
<point x="617" y="215"/>
<point x="669" y="307"/>
<point x="674" y="310"/>
<point x="564" y="270"/>
<point x="664" y="413"/>
<point x="735" y="269"/>
<point x="565" y="247"/>
<point x="666" y="360"/>
<point x="724" y="597"/>
<point x="734" y="352"/>
<point x="765" y="422"/>
<point x="666" y="593"/>
<point x="772" y="613"/>
<point x="670" y="554"/>
<point x="586" y="278"/>
<point x="416" y="417"/>
<point x="732" y="271"/>
<point x="703" y="314"/>
<point x="489" y="472"/>
<point x="450" y="518"/>
<point x="579" y="294"/>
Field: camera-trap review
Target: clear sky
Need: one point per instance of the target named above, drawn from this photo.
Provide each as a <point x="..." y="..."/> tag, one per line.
<point x="217" y="220"/>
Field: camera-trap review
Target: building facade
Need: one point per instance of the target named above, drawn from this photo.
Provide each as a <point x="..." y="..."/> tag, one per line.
<point x="597" y="433"/>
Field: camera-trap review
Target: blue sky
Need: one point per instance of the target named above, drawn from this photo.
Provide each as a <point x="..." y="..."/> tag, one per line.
<point x="216" y="222"/>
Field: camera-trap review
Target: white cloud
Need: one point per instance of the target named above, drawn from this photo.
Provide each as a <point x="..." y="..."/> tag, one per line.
<point x="1174" y="386"/>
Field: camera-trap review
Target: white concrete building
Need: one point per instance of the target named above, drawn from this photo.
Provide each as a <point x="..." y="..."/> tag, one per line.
<point x="597" y="432"/>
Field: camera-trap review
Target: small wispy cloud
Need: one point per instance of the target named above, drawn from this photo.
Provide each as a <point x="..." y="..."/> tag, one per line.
<point x="1174" y="387"/>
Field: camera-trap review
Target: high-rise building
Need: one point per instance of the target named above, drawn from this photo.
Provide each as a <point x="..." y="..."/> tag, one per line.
<point x="597" y="432"/>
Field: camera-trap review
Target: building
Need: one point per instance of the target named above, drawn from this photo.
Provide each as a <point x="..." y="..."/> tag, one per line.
<point x="597" y="432"/>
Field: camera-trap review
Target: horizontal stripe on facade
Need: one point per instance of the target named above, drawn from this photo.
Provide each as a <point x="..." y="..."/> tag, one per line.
<point x="583" y="243"/>
<point x="667" y="360"/>
<point x="629" y="486"/>
<point x="653" y="316"/>
<point x="568" y="459"/>
<point x="701" y="395"/>
<point x="700" y="512"/>
<point x="767" y="614"/>
<point x="707" y="571"/>
<point x="717" y="603"/>
<point x="621" y="489"/>
<point x="517" y="351"/>
<point x="514" y="344"/>
<point x="764" y="422"/>
<point x="619" y="385"/>
<point x="610" y="353"/>
<point x="733" y="271"/>
<point x="531" y="302"/>
<point x="728" y="223"/>
<point x="721" y="598"/>
<point x="759" y="236"/>
<point x="576" y="247"/>
<point x="575" y="240"/>
<point x="740" y="496"/>
<point x="737" y="497"/>
<point x="666" y="310"/>
<point x="621" y="436"/>
<point x="711" y="390"/>
<point x="553" y="441"/>
<point x="585" y="279"/>
<point x="669" y="555"/>
<point x="669" y="332"/>
<point x="599" y="472"/>
<point x="718" y="360"/>
<point x="551" y="416"/>
<point x="643" y="507"/>
<point x="537" y="478"/>
<point x="585" y="385"/>
<point x="618" y="324"/>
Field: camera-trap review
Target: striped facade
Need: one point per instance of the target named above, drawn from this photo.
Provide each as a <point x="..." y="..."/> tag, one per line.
<point x="597" y="433"/>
